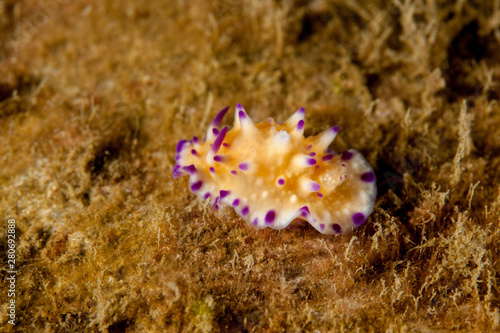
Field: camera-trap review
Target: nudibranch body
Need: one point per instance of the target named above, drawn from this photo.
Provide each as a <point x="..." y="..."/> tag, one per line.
<point x="271" y="174"/>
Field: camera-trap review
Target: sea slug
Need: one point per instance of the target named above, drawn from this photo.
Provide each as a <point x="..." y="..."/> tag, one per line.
<point x="271" y="174"/>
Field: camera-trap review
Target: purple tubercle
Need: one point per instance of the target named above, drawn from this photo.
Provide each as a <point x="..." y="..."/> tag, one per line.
<point x="281" y="181"/>
<point x="236" y="202"/>
<point x="327" y="157"/>
<point x="180" y="145"/>
<point x="322" y="226"/>
<point x="224" y="194"/>
<point x="305" y="211"/>
<point x="177" y="173"/>
<point x="218" y="140"/>
<point x="335" y="129"/>
<point x="255" y="221"/>
<point x="215" y="131"/>
<point x="337" y="228"/>
<point x="315" y="186"/>
<point x="218" y="158"/>
<point x="309" y="147"/>
<point x="177" y="157"/>
<point x="358" y="218"/>
<point x="196" y="186"/>
<point x="196" y="140"/>
<point x="244" y="211"/>
<point x="347" y="155"/>
<point x="234" y="172"/>
<point x="300" y="125"/>
<point x="312" y="154"/>
<point x="212" y="170"/>
<point x="302" y="110"/>
<point x="242" y="114"/>
<point x="219" y="116"/>
<point x="368" y="177"/>
<point x="320" y="195"/>
<point x="177" y="167"/>
<point x="207" y="195"/>
<point x="191" y="169"/>
<point x="270" y="216"/>
<point x="194" y="152"/>
<point x="227" y="145"/>
<point x="243" y="166"/>
<point x="343" y="165"/>
<point x="216" y="207"/>
<point x="311" y="161"/>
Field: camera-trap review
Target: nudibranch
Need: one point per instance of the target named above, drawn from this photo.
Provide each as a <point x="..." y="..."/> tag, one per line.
<point x="271" y="174"/>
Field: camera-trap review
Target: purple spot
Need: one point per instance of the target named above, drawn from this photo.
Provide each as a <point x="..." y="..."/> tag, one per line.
<point x="177" y="167"/>
<point x="256" y="221"/>
<point x="343" y="165"/>
<point x="242" y="114"/>
<point x="311" y="161"/>
<point x="224" y="194"/>
<point x="304" y="211"/>
<point x="244" y="211"/>
<point x="320" y="195"/>
<point x="337" y="228"/>
<point x="327" y="157"/>
<point x="216" y="207"/>
<point x="312" y="154"/>
<point x="243" y="166"/>
<point x="347" y="155"/>
<point x="219" y="116"/>
<point x="218" y="140"/>
<point x="177" y="157"/>
<point x="302" y="110"/>
<point x="212" y="170"/>
<point x="206" y="196"/>
<point x="368" y="177"/>
<point x="195" y="139"/>
<point x="270" y="216"/>
<point x="196" y="186"/>
<point x="322" y="226"/>
<point x="358" y="218"/>
<point x="180" y="144"/>
<point x="335" y="129"/>
<point x="309" y="147"/>
<point x="236" y="202"/>
<point x="177" y="174"/>
<point x="227" y="145"/>
<point x="218" y="158"/>
<point x="281" y="181"/>
<point x="194" y="152"/>
<point x="300" y="124"/>
<point x="191" y="169"/>
<point x="315" y="186"/>
<point x="215" y="131"/>
<point x="234" y="172"/>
